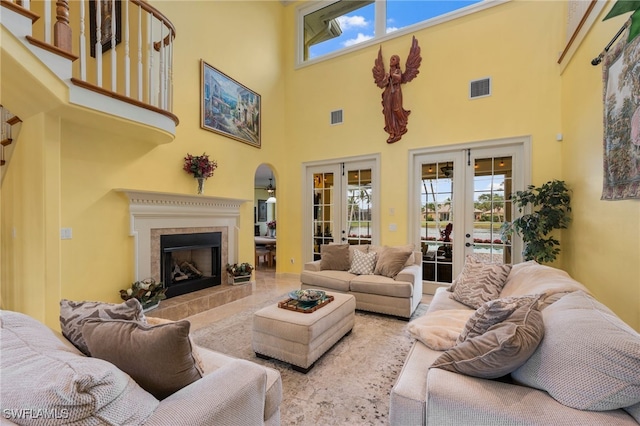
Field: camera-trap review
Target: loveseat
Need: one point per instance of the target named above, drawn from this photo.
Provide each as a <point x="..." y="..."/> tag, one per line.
<point x="383" y="279"/>
<point x="47" y="380"/>
<point x="540" y="350"/>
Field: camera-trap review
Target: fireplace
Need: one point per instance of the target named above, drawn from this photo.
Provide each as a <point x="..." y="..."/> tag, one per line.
<point x="157" y="214"/>
<point x="190" y="262"/>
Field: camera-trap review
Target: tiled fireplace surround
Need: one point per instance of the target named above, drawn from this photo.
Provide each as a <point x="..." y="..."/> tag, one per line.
<point x="153" y="214"/>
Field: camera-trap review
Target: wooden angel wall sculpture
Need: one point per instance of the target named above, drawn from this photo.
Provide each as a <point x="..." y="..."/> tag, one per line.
<point x="395" y="116"/>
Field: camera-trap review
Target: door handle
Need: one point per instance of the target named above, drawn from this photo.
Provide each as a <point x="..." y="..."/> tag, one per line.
<point x="469" y="244"/>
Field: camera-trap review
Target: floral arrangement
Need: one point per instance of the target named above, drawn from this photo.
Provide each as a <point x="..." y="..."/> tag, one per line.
<point x="147" y="291"/>
<point x="238" y="270"/>
<point x="271" y="225"/>
<point x="199" y="165"/>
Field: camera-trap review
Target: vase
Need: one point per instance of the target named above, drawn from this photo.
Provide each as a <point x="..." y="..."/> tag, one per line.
<point x="201" y="185"/>
<point x="272" y="232"/>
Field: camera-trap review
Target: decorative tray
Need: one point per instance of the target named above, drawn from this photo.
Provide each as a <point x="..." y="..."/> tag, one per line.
<point x="306" y="308"/>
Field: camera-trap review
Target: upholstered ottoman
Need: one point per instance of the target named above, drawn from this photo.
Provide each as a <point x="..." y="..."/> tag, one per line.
<point x="301" y="338"/>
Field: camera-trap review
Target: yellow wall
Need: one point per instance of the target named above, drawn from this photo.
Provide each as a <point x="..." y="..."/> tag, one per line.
<point x="253" y="43"/>
<point x="525" y="101"/>
<point x="72" y="184"/>
<point x="602" y="248"/>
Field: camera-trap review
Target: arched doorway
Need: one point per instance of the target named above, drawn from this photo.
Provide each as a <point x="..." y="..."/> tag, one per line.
<point x="265" y="213"/>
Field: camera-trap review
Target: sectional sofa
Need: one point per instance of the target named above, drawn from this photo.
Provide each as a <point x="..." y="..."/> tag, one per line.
<point x="540" y="350"/>
<point x="168" y="381"/>
<point x="383" y="279"/>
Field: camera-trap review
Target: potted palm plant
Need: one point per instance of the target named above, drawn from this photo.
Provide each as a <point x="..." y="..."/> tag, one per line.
<point x="551" y="208"/>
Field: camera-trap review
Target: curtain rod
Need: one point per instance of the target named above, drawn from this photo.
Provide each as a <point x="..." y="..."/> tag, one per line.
<point x="598" y="59"/>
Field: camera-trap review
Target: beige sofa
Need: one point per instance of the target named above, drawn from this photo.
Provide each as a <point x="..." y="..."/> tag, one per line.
<point x="385" y="292"/>
<point x="47" y="380"/>
<point x="584" y="371"/>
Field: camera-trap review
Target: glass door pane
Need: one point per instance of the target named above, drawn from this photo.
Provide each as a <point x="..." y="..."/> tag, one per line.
<point x="492" y="181"/>
<point x="359" y="203"/>
<point x="323" y="210"/>
<point x="436" y="233"/>
<point x="341" y="197"/>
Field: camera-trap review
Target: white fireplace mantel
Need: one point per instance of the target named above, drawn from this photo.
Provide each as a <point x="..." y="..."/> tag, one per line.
<point x="151" y="210"/>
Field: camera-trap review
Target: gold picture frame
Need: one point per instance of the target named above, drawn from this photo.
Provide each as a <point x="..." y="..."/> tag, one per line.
<point x="228" y="107"/>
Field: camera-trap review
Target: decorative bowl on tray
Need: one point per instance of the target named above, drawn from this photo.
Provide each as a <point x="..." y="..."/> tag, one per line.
<point x="307" y="297"/>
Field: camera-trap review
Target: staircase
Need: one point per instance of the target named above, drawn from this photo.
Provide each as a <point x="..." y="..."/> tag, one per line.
<point x="93" y="77"/>
<point x="7" y="135"/>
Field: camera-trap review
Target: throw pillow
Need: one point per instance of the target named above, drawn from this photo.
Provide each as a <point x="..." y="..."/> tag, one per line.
<point x="363" y="263"/>
<point x="158" y="358"/>
<point x="407" y="247"/>
<point x="493" y="312"/>
<point x="391" y="260"/>
<point x="74" y="314"/>
<point x="196" y="354"/>
<point x="479" y="282"/>
<point x="40" y="371"/>
<point x="439" y="330"/>
<point x="504" y="347"/>
<point x="589" y="358"/>
<point x="334" y="257"/>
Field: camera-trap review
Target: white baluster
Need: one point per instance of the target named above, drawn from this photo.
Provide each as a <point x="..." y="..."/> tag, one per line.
<point x="150" y="65"/>
<point x="170" y="76"/>
<point x="83" y="44"/>
<point x="140" y="70"/>
<point x="98" y="46"/>
<point x="114" y="60"/>
<point x="47" y="21"/>
<point x="127" y="59"/>
<point x="3" y="117"/>
<point x="161" y="68"/>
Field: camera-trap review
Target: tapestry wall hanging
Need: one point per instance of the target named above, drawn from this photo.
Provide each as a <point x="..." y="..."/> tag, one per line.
<point x="621" y="74"/>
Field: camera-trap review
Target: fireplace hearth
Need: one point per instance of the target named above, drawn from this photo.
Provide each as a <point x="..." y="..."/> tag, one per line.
<point x="190" y="262"/>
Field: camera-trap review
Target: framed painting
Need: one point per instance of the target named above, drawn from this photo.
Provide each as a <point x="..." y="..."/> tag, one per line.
<point x="110" y="13"/>
<point x="262" y="210"/>
<point x="229" y="108"/>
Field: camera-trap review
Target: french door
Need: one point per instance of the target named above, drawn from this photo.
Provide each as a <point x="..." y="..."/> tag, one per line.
<point x="341" y="196"/>
<point x="461" y="198"/>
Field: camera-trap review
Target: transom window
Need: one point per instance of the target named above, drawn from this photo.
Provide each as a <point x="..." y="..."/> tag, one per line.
<point x="339" y="26"/>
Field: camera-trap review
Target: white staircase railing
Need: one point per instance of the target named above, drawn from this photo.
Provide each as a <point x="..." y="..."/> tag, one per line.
<point x="124" y="47"/>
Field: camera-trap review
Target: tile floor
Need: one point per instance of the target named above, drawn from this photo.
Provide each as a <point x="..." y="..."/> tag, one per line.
<point x="267" y="286"/>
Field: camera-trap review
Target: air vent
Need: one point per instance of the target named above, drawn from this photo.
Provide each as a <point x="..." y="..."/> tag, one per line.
<point x="336" y="117"/>
<point x="480" y="88"/>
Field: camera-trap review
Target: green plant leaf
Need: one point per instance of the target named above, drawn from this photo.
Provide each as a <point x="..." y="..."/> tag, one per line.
<point x="634" y="30"/>
<point x="551" y="207"/>
<point x="622" y="6"/>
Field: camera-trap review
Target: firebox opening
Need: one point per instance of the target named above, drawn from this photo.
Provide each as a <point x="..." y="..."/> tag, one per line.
<point x="190" y="262"/>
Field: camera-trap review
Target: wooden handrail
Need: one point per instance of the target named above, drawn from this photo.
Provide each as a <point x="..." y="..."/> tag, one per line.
<point x="19" y="9"/>
<point x="147" y="70"/>
<point x="122" y="98"/>
<point x="51" y="48"/>
<point x="155" y="12"/>
<point x="14" y="120"/>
